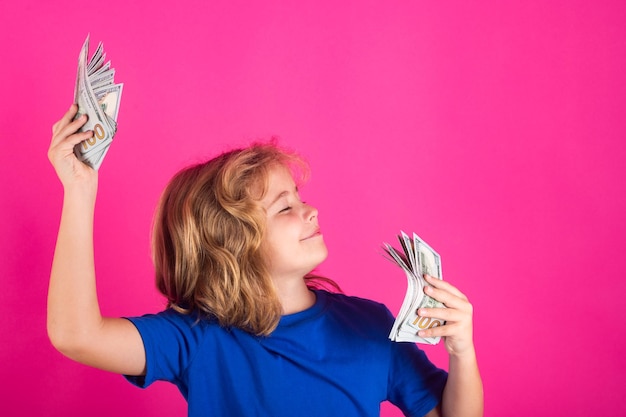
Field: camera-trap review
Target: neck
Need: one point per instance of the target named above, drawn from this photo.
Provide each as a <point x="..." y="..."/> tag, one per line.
<point x="294" y="296"/>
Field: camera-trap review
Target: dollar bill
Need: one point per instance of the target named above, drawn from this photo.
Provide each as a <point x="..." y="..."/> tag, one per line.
<point x="99" y="98"/>
<point x="416" y="258"/>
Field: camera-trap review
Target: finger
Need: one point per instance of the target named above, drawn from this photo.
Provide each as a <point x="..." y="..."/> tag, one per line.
<point x="66" y="119"/>
<point x="449" y="299"/>
<point x="66" y="146"/>
<point x="439" y="283"/>
<point x="445" y="314"/>
<point x="71" y="141"/>
<point x="79" y="137"/>
<point x="458" y="331"/>
<point x="448" y="329"/>
<point x="68" y="130"/>
<point x="444" y="296"/>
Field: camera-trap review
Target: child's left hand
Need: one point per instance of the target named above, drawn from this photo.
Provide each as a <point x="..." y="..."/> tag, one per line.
<point x="457" y="331"/>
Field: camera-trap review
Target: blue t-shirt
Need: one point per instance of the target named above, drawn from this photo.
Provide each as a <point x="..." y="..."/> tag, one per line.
<point x="333" y="359"/>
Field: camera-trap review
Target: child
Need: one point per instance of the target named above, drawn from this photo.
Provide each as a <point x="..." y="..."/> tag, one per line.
<point x="247" y="331"/>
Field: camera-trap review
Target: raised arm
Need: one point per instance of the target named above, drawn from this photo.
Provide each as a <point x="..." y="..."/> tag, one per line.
<point x="75" y="326"/>
<point x="463" y="394"/>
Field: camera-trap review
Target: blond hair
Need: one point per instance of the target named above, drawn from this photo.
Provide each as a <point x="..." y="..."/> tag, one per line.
<point x="207" y="239"/>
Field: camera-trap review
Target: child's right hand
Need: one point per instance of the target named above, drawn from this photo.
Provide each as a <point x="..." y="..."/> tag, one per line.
<point x="65" y="136"/>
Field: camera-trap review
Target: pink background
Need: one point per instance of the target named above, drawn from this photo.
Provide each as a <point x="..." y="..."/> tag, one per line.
<point x="495" y="130"/>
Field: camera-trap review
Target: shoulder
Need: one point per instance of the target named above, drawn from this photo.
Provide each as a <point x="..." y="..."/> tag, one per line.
<point x="166" y="317"/>
<point x="172" y="327"/>
<point x="359" y="311"/>
<point x="172" y="340"/>
<point x="351" y="302"/>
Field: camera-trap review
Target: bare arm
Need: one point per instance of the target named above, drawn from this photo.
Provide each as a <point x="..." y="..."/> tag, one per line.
<point x="75" y="326"/>
<point x="463" y="393"/>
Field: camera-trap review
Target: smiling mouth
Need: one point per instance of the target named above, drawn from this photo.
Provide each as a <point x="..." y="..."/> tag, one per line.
<point x="316" y="233"/>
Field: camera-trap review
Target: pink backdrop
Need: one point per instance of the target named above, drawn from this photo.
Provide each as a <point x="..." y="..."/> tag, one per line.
<point x="495" y="130"/>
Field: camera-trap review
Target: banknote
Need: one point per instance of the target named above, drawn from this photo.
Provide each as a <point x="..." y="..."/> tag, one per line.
<point x="416" y="258"/>
<point x="99" y="97"/>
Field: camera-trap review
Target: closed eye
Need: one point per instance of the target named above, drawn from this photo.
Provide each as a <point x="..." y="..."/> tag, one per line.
<point x="285" y="209"/>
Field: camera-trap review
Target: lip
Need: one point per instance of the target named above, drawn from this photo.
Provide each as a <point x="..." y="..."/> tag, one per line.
<point x="315" y="233"/>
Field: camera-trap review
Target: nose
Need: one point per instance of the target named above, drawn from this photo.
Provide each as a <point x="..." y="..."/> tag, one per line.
<point x="310" y="212"/>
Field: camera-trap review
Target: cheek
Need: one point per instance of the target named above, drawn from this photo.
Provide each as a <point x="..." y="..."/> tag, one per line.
<point x="282" y="228"/>
<point x="273" y="238"/>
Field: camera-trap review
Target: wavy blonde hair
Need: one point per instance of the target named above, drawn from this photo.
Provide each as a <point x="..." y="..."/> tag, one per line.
<point x="207" y="239"/>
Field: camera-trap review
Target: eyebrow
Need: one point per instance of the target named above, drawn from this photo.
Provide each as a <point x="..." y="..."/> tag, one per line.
<point x="281" y="195"/>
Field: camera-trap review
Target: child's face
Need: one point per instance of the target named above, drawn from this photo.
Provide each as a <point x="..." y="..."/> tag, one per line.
<point x="293" y="238"/>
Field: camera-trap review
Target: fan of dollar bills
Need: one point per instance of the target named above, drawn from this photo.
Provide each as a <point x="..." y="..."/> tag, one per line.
<point x="416" y="259"/>
<point x="99" y="97"/>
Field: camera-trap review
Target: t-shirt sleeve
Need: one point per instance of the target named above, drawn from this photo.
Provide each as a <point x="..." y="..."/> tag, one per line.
<point x="170" y="341"/>
<point x="415" y="383"/>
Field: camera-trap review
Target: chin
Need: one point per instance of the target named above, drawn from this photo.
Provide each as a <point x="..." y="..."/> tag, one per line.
<point x="322" y="257"/>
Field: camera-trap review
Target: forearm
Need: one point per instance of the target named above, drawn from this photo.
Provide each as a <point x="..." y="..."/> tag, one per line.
<point x="73" y="310"/>
<point x="75" y="325"/>
<point x="463" y="394"/>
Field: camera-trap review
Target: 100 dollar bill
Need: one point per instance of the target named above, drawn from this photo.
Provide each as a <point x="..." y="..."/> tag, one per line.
<point x="99" y="98"/>
<point x="416" y="259"/>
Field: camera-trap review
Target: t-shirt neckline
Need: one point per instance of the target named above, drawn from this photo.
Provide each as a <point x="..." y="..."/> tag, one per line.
<point x="321" y="298"/>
